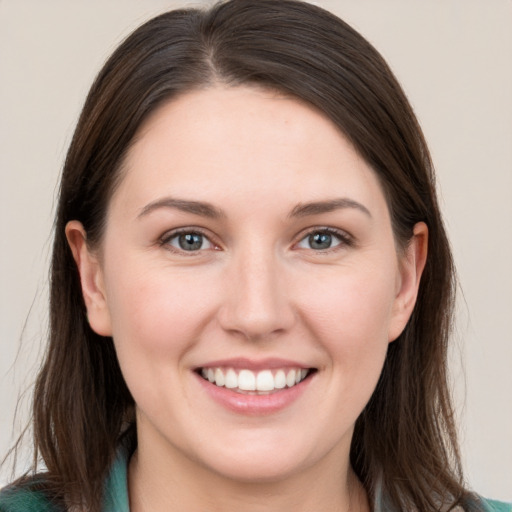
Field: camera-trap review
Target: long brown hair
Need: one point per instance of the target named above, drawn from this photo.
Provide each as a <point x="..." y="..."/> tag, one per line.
<point x="405" y="439"/>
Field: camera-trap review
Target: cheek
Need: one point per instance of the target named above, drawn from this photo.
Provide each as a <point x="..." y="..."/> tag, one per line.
<point x="156" y="312"/>
<point x="356" y="305"/>
<point x="157" y="318"/>
<point x="349" y="316"/>
<point x="348" y="319"/>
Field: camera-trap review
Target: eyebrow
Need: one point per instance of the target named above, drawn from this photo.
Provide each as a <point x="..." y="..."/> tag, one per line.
<point x="319" y="207"/>
<point x="195" y="207"/>
<point x="205" y="209"/>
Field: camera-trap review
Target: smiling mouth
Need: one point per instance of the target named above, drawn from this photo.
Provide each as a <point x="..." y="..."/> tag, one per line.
<point x="262" y="382"/>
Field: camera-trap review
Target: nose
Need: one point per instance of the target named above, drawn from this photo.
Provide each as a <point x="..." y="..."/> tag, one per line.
<point x="256" y="303"/>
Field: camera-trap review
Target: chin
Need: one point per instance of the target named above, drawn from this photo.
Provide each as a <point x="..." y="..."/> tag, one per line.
<point x="268" y="461"/>
<point x="262" y="470"/>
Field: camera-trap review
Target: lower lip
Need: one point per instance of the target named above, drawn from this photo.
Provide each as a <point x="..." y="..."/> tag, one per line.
<point x="254" y="405"/>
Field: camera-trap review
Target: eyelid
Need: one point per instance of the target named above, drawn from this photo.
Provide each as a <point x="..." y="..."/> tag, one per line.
<point x="172" y="233"/>
<point x="346" y="239"/>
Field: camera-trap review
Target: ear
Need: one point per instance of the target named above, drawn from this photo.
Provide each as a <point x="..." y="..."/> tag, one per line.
<point x="91" y="279"/>
<point x="411" y="268"/>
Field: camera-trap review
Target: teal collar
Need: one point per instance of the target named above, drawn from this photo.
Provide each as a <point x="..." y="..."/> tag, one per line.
<point x="116" y="491"/>
<point x="116" y="486"/>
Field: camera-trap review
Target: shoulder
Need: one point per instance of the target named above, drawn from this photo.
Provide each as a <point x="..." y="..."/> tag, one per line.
<point x="32" y="494"/>
<point x="27" y="497"/>
<point x="496" y="506"/>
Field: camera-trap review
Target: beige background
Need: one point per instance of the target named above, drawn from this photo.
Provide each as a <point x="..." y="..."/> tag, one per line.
<point x="454" y="59"/>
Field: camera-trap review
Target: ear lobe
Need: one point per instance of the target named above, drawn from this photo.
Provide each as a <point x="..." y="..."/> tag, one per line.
<point x="412" y="265"/>
<point x="91" y="279"/>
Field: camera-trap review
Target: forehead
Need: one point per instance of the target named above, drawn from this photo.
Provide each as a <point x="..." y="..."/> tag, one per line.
<point x="223" y="143"/>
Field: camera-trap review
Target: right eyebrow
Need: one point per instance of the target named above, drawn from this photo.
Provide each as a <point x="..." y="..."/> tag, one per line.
<point x="195" y="207"/>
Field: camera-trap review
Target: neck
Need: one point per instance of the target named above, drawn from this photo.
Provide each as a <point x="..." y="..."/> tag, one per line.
<point x="184" y="485"/>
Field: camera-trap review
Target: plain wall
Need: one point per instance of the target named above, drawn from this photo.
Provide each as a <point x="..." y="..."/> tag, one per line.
<point x="454" y="59"/>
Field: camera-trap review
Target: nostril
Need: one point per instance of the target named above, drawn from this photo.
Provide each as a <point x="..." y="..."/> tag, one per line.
<point x="256" y="324"/>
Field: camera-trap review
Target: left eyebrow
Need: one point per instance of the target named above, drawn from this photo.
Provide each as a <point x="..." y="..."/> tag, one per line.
<point x="319" y="207"/>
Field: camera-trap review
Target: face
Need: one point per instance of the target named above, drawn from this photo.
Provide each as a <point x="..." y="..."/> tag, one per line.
<point x="249" y="277"/>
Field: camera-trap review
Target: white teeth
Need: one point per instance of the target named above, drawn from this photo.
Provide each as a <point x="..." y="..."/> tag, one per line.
<point x="231" y="379"/>
<point x="280" y="379"/>
<point x="265" y="381"/>
<point x="290" y="378"/>
<point x="219" y="377"/>
<point x="247" y="380"/>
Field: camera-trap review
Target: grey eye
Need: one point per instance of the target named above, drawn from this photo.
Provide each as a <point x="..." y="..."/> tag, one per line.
<point x="320" y="241"/>
<point x="190" y="242"/>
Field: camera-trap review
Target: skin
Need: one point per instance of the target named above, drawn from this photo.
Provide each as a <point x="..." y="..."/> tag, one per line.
<point x="256" y="289"/>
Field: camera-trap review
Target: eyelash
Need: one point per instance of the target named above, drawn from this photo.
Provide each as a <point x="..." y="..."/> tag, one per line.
<point x="345" y="240"/>
<point x="165" y="240"/>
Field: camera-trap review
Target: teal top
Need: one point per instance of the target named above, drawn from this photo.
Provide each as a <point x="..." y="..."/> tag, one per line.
<point x="31" y="499"/>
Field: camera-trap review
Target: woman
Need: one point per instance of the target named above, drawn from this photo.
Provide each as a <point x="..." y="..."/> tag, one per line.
<point x="251" y="287"/>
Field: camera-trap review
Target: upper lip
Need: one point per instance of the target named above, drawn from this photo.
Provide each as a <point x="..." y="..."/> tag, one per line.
<point x="254" y="365"/>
